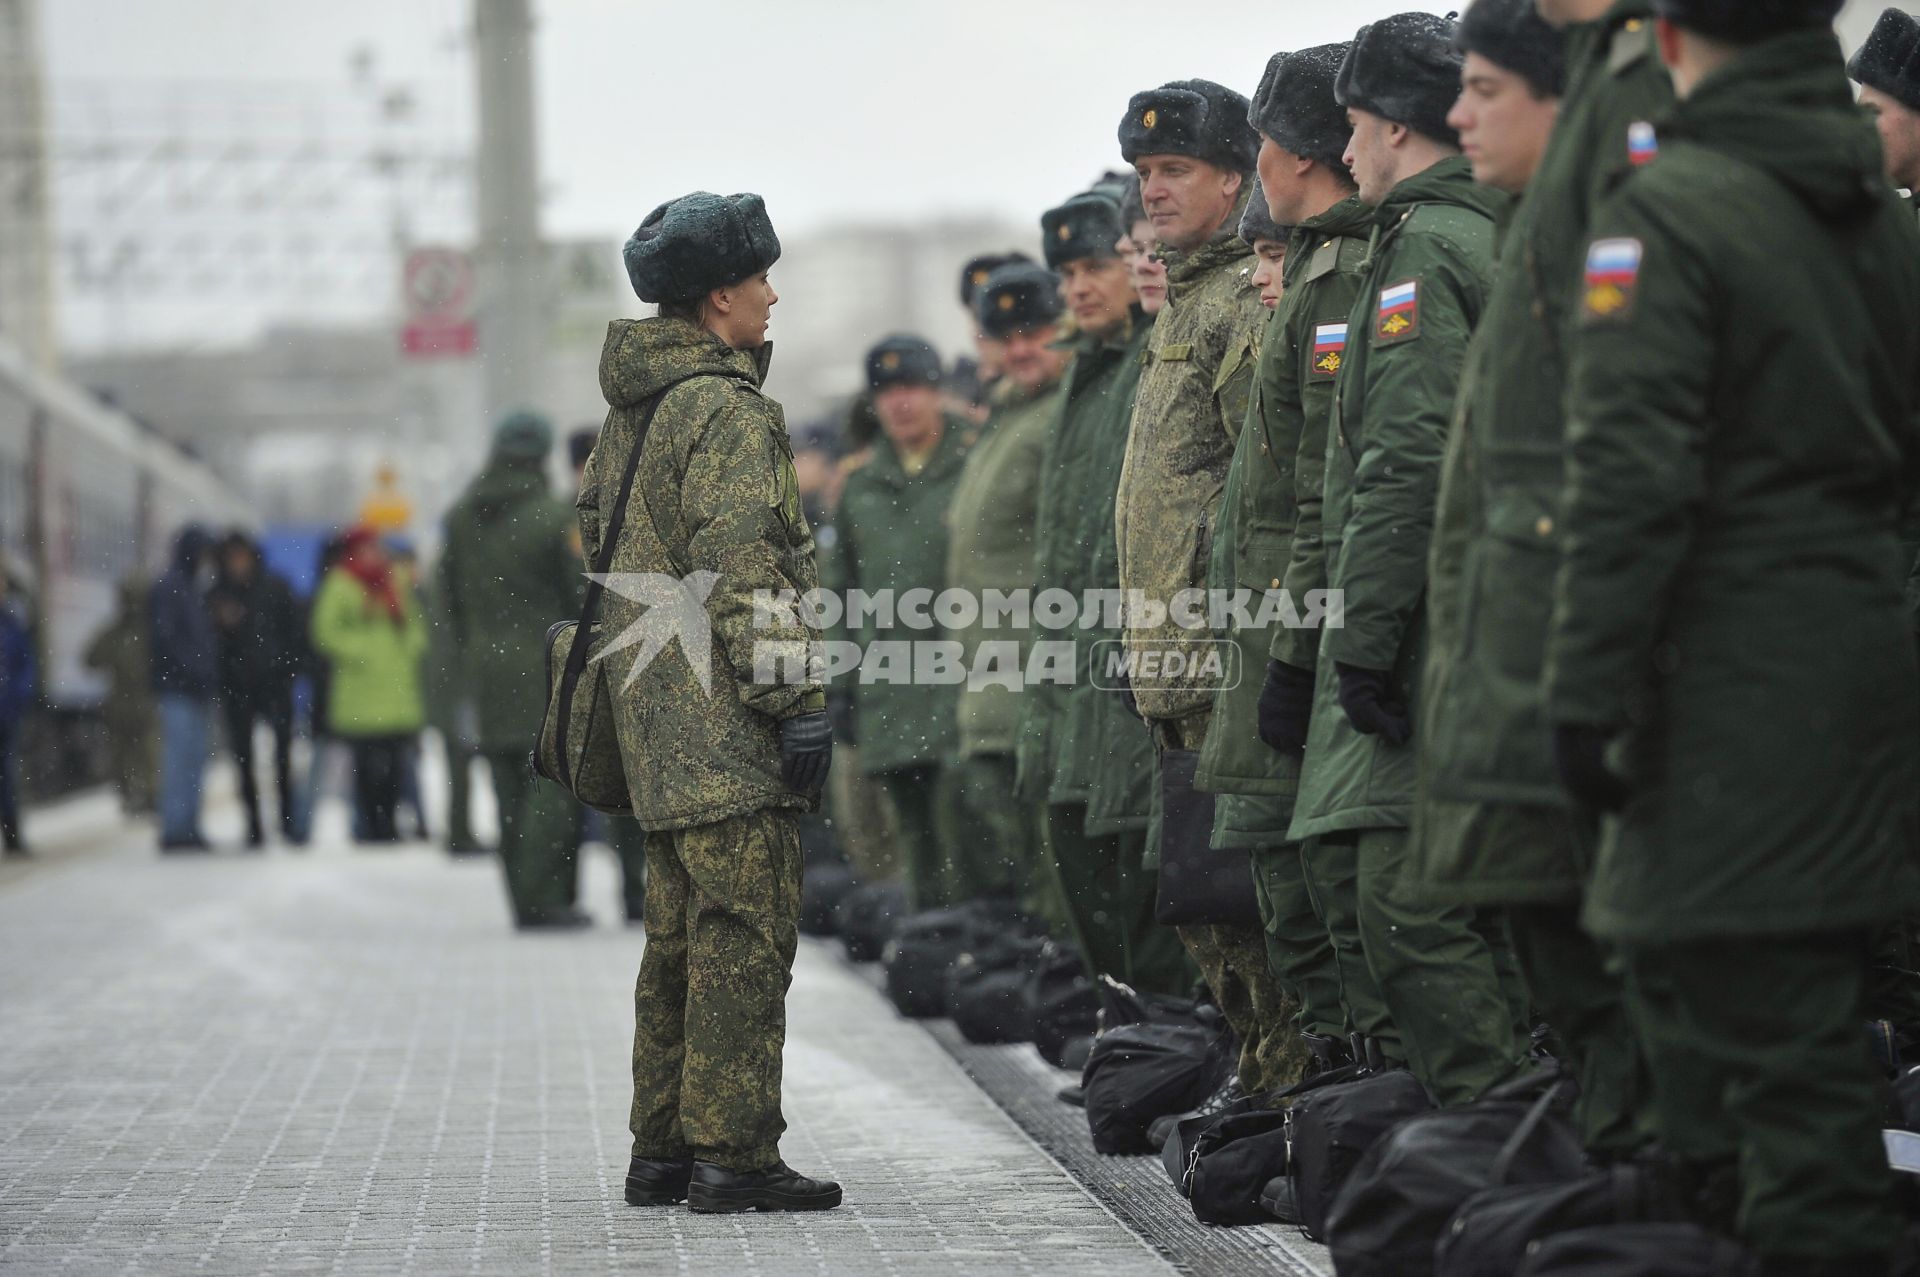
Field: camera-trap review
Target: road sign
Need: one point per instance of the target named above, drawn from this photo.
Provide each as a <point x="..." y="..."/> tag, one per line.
<point x="437" y="286"/>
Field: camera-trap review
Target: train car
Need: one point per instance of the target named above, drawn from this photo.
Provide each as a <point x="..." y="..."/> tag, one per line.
<point x="88" y="497"/>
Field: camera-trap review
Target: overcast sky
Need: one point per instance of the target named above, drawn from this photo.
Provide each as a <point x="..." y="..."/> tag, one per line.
<point x="834" y="110"/>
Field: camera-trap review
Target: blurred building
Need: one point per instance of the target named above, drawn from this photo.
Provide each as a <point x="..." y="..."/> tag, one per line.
<point x="26" y="226"/>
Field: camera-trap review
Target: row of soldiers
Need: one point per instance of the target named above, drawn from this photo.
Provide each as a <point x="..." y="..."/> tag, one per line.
<point x="1575" y="350"/>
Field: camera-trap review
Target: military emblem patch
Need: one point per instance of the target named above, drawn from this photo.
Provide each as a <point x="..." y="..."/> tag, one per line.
<point x="1643" y="144"/>
<point x="1399" y="315"/>
<point x="1151" y="118"/>
<point x="1329" y="348"/>
<point x="980" y="277"/>
<point x="890" y="361"/>
<point x="1065" y="231"/>
<point x="1613" y="276"/>
<point x="1005" y="302"/>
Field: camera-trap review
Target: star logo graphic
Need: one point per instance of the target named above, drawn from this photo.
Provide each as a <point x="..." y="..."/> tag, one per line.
<point x="675" y="608"/>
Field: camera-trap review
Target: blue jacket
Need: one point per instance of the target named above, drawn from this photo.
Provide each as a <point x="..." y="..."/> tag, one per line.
<point x="183" y="646"/>
<point x="18" y="667"/>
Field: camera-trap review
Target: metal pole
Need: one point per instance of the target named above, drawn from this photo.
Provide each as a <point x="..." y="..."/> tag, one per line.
<point x="508" y="265"/>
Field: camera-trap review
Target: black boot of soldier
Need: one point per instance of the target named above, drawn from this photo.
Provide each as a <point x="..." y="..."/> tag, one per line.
<point x="715" y="1190"/>
<point x="658" y="1181"/>
<point x="1328" y="1052"/>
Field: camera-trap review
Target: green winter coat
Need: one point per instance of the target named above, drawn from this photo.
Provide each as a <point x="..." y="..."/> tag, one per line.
<point x="1062" y="759"/>
<point x="1392" y="405"/>
<point x="375" y="688"/>
<point x="1493" y="822"/>
<point x="1279" y="458"/>
<point x="891" y="534"/>
<point x="715" y="494"/>
<point x="990" y="544"/>
<point x="509" y="570"/>
<point x="1741" y="442"/>
<point x="1192" y="398"/>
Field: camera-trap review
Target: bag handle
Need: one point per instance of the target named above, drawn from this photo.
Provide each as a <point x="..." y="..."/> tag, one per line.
<point x="590" y="608"/>
<point x="1529" y="1125"/>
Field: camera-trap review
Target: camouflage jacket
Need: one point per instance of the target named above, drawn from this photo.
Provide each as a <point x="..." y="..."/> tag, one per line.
<point x="1192" y="398"/>
<point x="990" y="540"/>
<point x="716" y="500"/>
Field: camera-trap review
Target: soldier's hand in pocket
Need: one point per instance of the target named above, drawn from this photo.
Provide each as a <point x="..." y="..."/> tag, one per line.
<point x="1286" y="707"/>
<point x="806" y="751"/>
<point x="1367" y="696"/>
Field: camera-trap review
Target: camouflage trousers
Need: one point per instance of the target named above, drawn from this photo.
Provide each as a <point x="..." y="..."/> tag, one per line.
<point x="710" y="1008"/>
<point x="1233" y="961"/>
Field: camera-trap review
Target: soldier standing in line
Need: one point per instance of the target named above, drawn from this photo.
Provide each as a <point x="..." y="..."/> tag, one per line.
<point x="722" y="757"/>
<point x="1461" y="1025"/>
<point x="1271" y="520"/>
<point x="1079" y="742"/>
<point x="990" y="547"/>
<point x="1194" y="150"/>
<point x="509" y="570"/>
<point x="1494" y="829"/>
<point x="1887" y="68"/>
<point x="1730" y="672"/>
<point x="990" y="352"/>
<point x="891" y="537"/>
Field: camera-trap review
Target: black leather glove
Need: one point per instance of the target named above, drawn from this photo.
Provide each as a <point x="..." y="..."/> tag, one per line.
<point x="1370" y="704"/>
<point x="1580" y="754"/>
<point x="1286" y="707"/>
<point x="806" y="751"/>
<point x="840" y="714"/>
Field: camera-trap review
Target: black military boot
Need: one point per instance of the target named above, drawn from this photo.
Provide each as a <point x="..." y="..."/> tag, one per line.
<point x="716" y="1190"/>
<point x="658" y="1181"/>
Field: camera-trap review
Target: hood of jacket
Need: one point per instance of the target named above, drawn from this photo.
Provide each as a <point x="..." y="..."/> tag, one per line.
<point x="641" y="357"/>
<point x="1785" y="107"/>
<point x="1448" y="182"/>
<point x="505" y="486"/>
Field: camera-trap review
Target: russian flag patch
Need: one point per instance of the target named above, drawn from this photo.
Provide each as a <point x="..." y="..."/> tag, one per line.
<point x="1613" y="276"/>
<point x="1329" y="348"/>
<point x="1643" y="144"/>
<point x="1399" y="316"/>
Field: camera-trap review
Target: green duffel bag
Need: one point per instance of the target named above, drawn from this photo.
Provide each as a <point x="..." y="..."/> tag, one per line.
<point x="577" y="749"/>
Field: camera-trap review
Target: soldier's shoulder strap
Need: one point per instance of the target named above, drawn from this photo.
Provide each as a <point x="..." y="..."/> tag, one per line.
<point x="1632" y="43"/>
<point x="1335" y="253"/>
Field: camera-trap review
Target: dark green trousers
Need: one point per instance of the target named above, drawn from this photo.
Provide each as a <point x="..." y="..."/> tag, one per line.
<point x="1332" y="870"/>
<point x="1447" y="975"/>
<point x="995" y="837"/>
<point x="710" y="1006"/>
<point x="1107" y="896"/>
<point x="629" y="843"/>
<point x="539" y="838"/>
<point x="1758" y="1062"/>
<point x="1566" y="974"/>
<point x="460" y="797"/>
<point x="1893" y="989"/>
<point x="1298" y="948"/>
<point x="920" y="832"/>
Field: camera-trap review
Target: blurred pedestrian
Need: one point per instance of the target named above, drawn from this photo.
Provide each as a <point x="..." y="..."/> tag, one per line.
<point x="258" y="623"/>
<point x="510" y="569"/>
<point x="406" y="564"/>
<point x="119" y="652"/>
<point x="367" y="622"/>
<point x="325" y="757"/>
<point x="18" y="674"/>
<point x="450" y="712"/>
<point x="184" y="673"/>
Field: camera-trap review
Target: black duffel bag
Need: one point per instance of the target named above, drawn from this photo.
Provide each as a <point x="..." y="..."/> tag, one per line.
<point x="1330" y="1129"/>
<point x="1176" y="1155"/>
<point x="919" y="959"/>
<point x="1139" y="1072"/>
<point x="1232" y="1161"/>
<point x="1491" y="1232"/>
<point x="822" y="888"/>
<point x="1393" y="1209"/>
<point x="1062" y="1005"/>
<point x="987" y="990"/>
<point x="866" y="918"/>
<point x="1639" y="1250"/>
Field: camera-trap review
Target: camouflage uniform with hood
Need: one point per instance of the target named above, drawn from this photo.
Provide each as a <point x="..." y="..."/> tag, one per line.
<point x="1192" y="397"/>
<point x="715" y="500"/>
